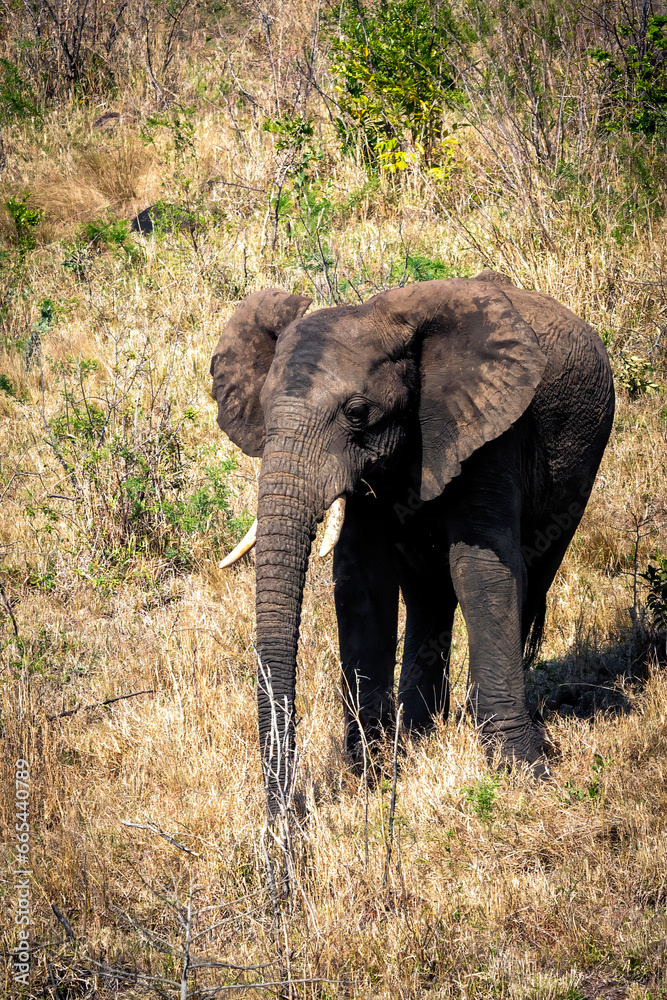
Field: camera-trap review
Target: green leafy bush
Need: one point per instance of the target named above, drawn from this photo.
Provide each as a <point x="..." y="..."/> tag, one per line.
<point x="173" y="218"/>
<point x="17" y="99"/>
<point x="25" y="221"/>
<point x="112" y="234"/>
<point x="137" y="485"/>
<point x="179" y="122"/>
<point x="635" y="374"/>
<point x="481" y="797"/>
<point x="292" y="132"/>
<point x="419" y="267"/>
<point x="633" y="63"/>
<point x="7" y="386"/>
<point x="99" y="236"/>
<point x="392" y="76"/>
<point x="294" y="139"/>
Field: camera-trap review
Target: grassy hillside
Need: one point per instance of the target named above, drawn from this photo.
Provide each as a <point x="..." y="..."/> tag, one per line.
<point x="283" y="149"/>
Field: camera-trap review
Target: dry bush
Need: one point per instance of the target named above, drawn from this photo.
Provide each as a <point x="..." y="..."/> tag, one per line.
<point x="68" y="200"/>
<point x="117" y="172"/>
<point x="100" y="177"/>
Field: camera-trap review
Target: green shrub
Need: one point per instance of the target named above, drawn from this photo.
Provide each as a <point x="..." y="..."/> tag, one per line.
<point x="17" y="99"/>
<point x="419" y="267"/>
<point x="136" y="484"/>
<point x="101" y="235"/>
<point x="635" y="375"/>
<point x="292" y="132"/>
<point x="112" y="234"/>
<point x="81" y="420"/>
<point x="7" y="386"/>
<point x="173" y="218"/>
<point x="392" y="76"/>
<point x="25" y="221"/>
<point x="633" y="63"/>
<point x="481" y="796"/>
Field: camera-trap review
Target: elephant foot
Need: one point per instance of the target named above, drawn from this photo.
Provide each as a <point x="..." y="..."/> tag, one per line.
<point x="373" y="752"/>
<point x="524" y="744"/>
<point x="536" y="769"/>
<point x="418" y="721"/>
<point x="540" y="771"/>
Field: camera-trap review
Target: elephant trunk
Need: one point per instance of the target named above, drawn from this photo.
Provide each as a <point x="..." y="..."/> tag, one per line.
<point x="287" y="521"/>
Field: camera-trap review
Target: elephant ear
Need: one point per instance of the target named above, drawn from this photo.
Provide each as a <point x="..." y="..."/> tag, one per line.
<point x="242" y="359"/>
<point x="480" y="366"/>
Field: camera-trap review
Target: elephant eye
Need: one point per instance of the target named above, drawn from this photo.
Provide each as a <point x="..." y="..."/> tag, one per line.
<point x="356" y="410"/>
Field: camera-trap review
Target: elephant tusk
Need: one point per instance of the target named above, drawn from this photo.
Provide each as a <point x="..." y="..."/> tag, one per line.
<point x="335" y="519"/>
<point x="244" y="546"/>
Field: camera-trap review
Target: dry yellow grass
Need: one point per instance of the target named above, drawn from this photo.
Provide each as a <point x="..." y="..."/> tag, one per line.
<point x="497" y="887"/>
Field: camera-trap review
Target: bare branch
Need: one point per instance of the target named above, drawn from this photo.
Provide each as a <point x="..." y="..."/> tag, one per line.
<point x="154" y="828"/>
<point x="62" y="919"/>
<point x="98" y="704"/>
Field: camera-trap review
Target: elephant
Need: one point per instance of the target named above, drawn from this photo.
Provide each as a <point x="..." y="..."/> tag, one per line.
<point x="459" y="424"/>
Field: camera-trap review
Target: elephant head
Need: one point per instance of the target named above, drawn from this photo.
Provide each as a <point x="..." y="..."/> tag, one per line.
<point x="416" y="379"/>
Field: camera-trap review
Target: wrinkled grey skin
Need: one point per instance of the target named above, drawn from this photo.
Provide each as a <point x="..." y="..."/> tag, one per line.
<point x="464" y="421"/>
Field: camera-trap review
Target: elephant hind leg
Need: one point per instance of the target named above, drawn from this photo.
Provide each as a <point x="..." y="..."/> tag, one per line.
<point x="532" y="629"/>
<point x="543" y="548"/>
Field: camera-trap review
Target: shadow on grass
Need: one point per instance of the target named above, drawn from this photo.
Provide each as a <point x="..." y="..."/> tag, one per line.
<point x="595" y="679"/>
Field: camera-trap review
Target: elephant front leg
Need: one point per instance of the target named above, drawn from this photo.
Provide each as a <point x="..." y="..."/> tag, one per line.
<point x="424" y="685"/>
<point x="366" y="596"/>
<point x="489" y="579"/>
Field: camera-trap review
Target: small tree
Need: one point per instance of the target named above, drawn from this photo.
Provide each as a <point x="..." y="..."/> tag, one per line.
<point x="392" y="74"/>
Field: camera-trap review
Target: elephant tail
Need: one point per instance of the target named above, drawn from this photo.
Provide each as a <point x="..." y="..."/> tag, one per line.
<point x="535" y="633"/>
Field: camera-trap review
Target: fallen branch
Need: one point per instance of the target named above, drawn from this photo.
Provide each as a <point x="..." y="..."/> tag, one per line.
<point x="62" y="919"/>
<point x="97" y="704"/>
<point x="154" y="828"/>
<point x="111" y="972"/>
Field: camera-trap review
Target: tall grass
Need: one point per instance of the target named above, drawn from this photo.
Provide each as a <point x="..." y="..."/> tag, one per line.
<point x="150" y="865"/>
